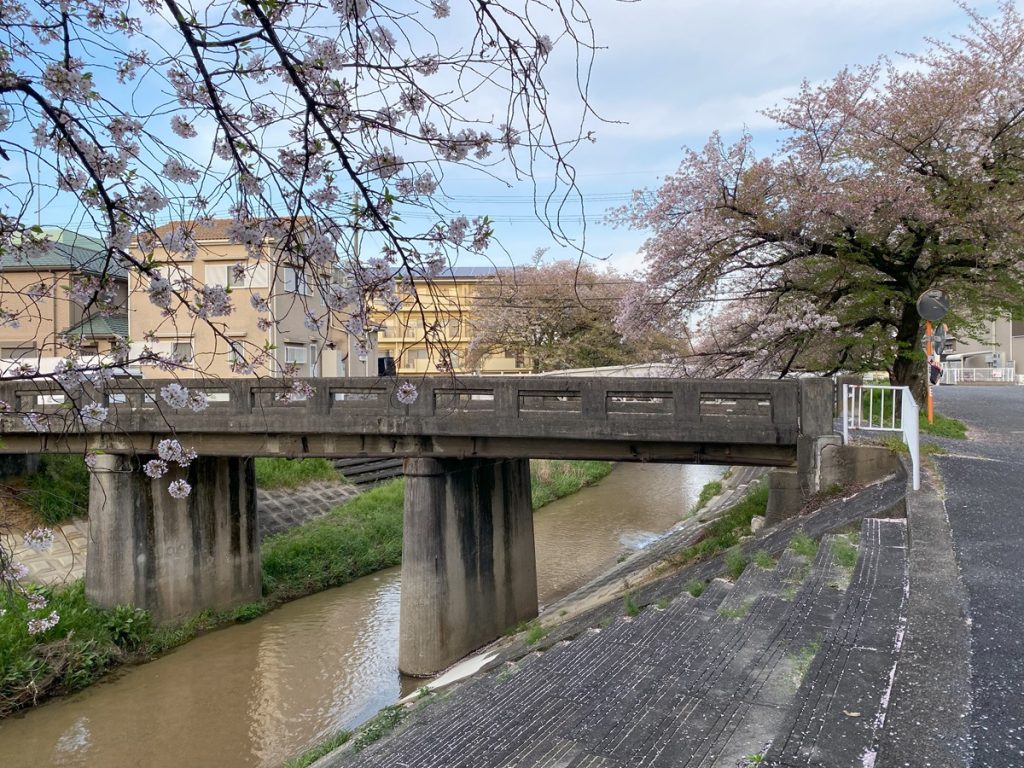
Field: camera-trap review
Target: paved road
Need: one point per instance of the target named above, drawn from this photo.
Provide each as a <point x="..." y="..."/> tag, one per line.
<point x="984" y="481"/>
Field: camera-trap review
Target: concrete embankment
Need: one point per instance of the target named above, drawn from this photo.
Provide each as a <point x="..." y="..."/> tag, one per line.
<point x="797" y="662"/>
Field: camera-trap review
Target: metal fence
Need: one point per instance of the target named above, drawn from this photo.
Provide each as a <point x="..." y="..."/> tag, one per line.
<point x="978" y="376"/>
<point x="878" y="408"/>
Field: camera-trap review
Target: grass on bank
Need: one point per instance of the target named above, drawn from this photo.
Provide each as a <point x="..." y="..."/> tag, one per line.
<point x="707" y="493"/>
<point x="942" y="426"/>
<point x="725" y="532"/>
<point x="59" y="490"/>
<point x="291" y="473"/>
<point x="359" y="537"/>
<point x="551" y="480"/>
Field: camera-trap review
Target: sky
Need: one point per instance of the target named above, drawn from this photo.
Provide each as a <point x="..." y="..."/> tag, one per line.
<point x="668" y="74"/>
<point x="673" y="71"/>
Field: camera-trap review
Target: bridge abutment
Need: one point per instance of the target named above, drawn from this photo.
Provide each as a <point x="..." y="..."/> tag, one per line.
<point x="173" y="557"/>
<point x="468" y="561"/>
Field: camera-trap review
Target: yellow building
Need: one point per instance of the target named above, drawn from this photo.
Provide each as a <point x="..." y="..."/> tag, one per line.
<point x="214" y="345"/>
<point x="40" y="303"/>
<point x="437" y="324"/>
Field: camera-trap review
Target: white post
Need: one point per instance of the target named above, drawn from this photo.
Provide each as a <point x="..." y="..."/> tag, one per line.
<point x="911" y="436"/>
<point x="846" y="414"/>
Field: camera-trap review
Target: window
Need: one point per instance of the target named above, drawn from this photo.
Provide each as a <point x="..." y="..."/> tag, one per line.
<point x="454" y="328"/>
<point x="414" y="356"/>
<point x="217" y="274"/>
<point x="180" y="275"/>
<point x="295" y="353"/>
<point x="313" y="361"/>
<point x="1018" y="328"/>
<point x="295" y="281"/>
<point x="18" y="352"/>
<point x="182" y="351"/>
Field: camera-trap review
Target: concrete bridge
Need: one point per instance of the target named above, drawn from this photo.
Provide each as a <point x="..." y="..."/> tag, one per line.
<point x="468" y="555"/>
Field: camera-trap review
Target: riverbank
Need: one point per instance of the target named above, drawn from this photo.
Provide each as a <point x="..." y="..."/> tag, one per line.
<point x="357" y="538"/>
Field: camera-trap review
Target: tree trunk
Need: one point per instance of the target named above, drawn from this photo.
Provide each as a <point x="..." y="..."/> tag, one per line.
<point x="909" y="368"/>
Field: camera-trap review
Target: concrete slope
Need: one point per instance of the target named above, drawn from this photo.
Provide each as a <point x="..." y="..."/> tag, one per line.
<point x="844" y="699"/>
<point x="698" y="682"/>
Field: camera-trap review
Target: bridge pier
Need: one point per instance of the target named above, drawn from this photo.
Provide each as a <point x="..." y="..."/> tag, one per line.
<point x="468" y="562"/>
<point x="173" y="557"/>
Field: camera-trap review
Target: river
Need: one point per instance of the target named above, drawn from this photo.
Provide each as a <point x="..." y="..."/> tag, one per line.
<point x="257" y="694"/>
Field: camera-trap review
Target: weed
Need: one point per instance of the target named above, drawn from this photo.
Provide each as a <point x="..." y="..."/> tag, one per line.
<point x="292" y="473"/>
<point x="663" y="603"/>
<point x="629" y="605"/>
<point x="695" y="587"/>
<point x="752" y="760"/>
<point x="735" y="563"/>
<point x="563" y="612"/>
<point x="605" y="622"/>
<point x="803" y="544"/>
<point x="803" y="658"/>
<point x="535" y="633"/>
<point x="727" y="474"/>
<point x="708" y="492"/>
<point x="725" y="532"/>
<point x="763" y="560"/>
<point x="736" y="613"/>
<point x="844" y="552"/>
<point x="383" y="723"/>
<point x="507" y="673"/>
<point x="59" y="491"/>
<point x="943" y="426"/>
<point x="128" y="626"/>
<point x="249" y="611"/>
<point x="325" y="747"/>
<point x="551" y="479"/>
<point x="622" y="558"/>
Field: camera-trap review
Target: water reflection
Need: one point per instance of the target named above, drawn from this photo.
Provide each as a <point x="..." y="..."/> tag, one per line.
<point x="259" y="693"/>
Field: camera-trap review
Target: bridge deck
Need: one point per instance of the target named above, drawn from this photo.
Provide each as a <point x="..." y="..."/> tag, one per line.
<point x="722" y="421"/>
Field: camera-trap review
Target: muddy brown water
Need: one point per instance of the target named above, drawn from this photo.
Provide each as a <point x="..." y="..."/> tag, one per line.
<point x="260" y="693"/>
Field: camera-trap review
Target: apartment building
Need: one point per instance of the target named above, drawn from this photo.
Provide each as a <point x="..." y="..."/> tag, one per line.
<point x="39" y="295"/>
<point x="212" y="345"/>
<point x="441" y="309"/>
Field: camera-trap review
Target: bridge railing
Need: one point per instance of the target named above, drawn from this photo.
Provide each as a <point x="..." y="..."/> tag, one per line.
<point x="720" y="410"/>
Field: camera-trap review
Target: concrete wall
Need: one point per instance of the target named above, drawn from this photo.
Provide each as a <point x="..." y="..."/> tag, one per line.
<point x="173" y="557"/>
<point x="468" y="561"/>
<point x="847" y="465"/>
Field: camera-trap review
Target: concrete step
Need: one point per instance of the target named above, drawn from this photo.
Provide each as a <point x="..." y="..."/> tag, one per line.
<point x="364" y="472"/>
<point x="700" y="683"/>
<point x="761" y="694"/>
<point x="843" y="700"/>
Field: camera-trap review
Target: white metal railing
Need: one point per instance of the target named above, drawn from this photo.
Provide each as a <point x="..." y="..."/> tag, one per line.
<point x="952" y="375"/>
<point x="878" y="408"/>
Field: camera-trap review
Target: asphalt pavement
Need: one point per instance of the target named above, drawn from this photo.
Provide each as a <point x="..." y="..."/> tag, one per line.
<point x="984" y="488"/>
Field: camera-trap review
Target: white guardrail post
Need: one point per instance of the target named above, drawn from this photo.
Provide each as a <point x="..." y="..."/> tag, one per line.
<point x="910" y="416"/>
<point x="847" y="394"/>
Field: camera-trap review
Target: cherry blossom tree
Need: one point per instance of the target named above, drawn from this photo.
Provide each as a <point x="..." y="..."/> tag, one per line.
<point x="314" y="125"/>
<point x="891" y="179"/>
<point x="559" y="315"/>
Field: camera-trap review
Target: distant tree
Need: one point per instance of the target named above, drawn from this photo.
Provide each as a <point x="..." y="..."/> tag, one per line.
<point x="891" y="180"/>
<point x="559" y="315"/>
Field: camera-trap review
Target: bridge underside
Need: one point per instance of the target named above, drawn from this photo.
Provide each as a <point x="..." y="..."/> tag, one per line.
<point x="440" y="447"/>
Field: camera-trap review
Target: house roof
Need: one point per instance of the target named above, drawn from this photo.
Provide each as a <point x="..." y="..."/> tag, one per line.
<point x="101" y="327"/>
<point x="206" y="230"/>
<point x="61" y="256"/>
